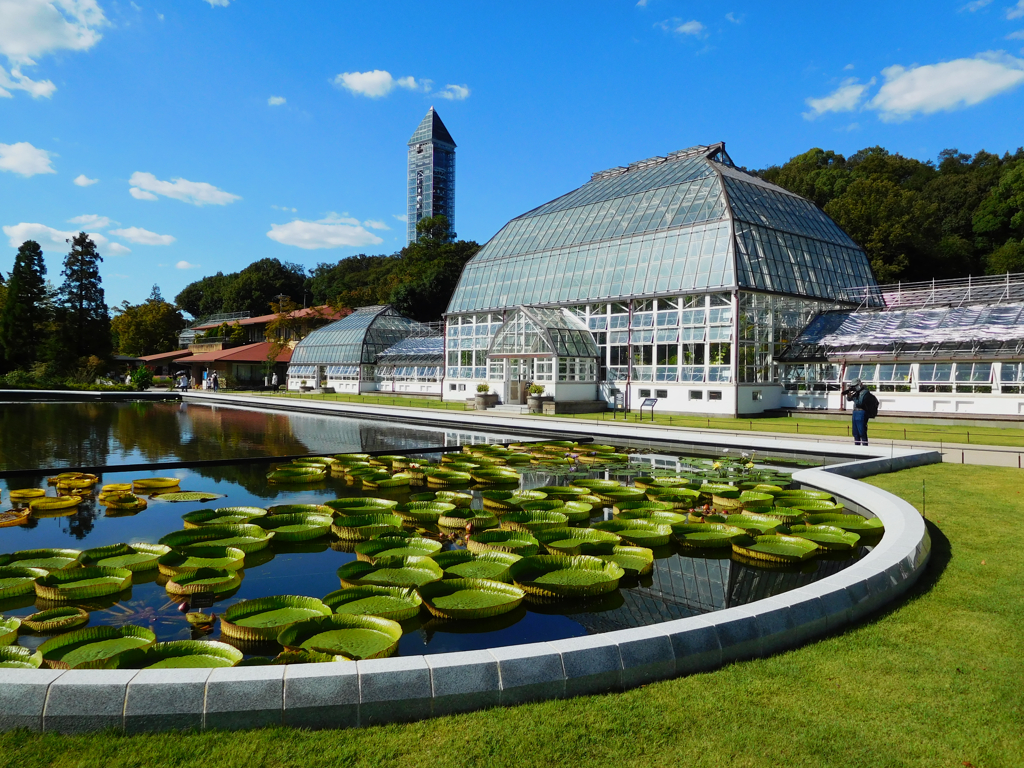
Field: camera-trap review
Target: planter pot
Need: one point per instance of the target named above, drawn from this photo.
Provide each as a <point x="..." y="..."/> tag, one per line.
<point x="536" y="402"/>
<point x="483" y="402"/>
<point x="305" y="389"/>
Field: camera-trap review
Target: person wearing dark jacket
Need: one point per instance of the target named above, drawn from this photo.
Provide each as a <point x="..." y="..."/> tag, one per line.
<point x="856" y="394"/>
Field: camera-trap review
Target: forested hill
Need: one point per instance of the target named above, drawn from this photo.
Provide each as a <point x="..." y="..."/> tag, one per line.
<point x="963" y="215"/>
<point x="419" y="280"/>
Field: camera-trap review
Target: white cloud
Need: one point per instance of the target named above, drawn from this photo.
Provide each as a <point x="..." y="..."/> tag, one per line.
<point x="185" y="265"/>
<point x="91" y="220"/>
<point x="284" y="208"/>
<point x="401" y="217"/>
<point x="81" y="180"/>
<point x="454" y="92"/>
<point x="378" y="83"/>
<point x="848" y="68"/>
<point x="680" y="27"/>
<point x="730" y="16"/>
<point x="16" y="81"/>
<point x="142" y="236"/>
<point x="975" y="5"/>
<point x="24" y="159"/>
<point x="641" y="3"/>
<point x="146" y="186"/>
<point x="375" y="224"/>
<point x="44" y="235"/>
<point x="216" y="3"/>
<point x="1018" y="35"/>
<point x="845" y="98"/>
<point x="276" y="101"/>
<point x="946" y="86"/>
<point x="333" y="231"/>
<point x="1015" y="11"/>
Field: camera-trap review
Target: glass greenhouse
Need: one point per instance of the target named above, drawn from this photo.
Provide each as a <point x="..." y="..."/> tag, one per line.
<point x="689" y="275"/>
<point x="413" y="365"/>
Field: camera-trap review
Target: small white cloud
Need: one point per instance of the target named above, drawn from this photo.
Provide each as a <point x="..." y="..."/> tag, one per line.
<point x="25" y="160"/>
<point x="136" y="6"/>
<point x="975" y="5"/>
<point x="1018" y="35"/>
<point x="377" y="83"/>
<point x="333" y="231"/>
<point x="44" y="235"/>
<point x="401" y="217"/>
<point x="142" y="236"/>
<point x="375" y="224"/>
<point x="116" y="249"/>
<point x="947" y="86"/>
<point x="91" y="220"/>
<point x="1015" y="11"/>
<point x="185" y="265"/>
<point x="276" y="101"/>
<point x="81" y="180"/>
<point x="146" y="186"/>
<point x="730" y="16"/>
<point x="641" y="3"/>
<point x="690" y="28"/>
<point x="846" y="98"/>
<point x="16" y="81"/>
<point x="848" y="68"/>
<point x="220" y="3"/>
<point x="454" y="92"/>
<point x="284" y="208"/>
<point x="160" y="17"/>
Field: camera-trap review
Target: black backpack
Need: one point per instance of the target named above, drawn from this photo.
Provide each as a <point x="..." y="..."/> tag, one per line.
<point x="870" y="405"/>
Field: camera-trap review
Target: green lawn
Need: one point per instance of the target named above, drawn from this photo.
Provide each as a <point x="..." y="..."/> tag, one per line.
<point x="933" y="681"/>
<point x="838" y="427"/>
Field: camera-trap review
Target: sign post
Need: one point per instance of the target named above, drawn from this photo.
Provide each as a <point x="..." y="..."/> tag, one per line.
<point x="648" y="402"/>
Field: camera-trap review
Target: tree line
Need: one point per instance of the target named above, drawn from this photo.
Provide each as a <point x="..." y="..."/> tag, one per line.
<point x="918" y="220"/>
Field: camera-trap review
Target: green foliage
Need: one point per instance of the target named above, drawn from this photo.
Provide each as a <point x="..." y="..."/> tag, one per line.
<point x="82" y="321"/>
<point x="142" y="378"/>
<point x="918" y="220"/>
<point x="250" y="290"/>
<point x="26" y="307"/>
<point x="146" y="328"/>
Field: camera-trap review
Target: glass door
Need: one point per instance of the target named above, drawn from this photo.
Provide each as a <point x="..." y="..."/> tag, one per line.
<point x="520" y="376"/>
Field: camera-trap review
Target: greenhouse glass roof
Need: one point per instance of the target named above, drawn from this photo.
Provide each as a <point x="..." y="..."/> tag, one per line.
<point x="357" y="338"/>
<point x="415" y="350"/>
<point x="543" y="332"/>
<point x="687" y="222"/>
<point x="943" y="333"/>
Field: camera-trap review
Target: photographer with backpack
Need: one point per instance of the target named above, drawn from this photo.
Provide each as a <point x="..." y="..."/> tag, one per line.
<point x="865" y="406"/>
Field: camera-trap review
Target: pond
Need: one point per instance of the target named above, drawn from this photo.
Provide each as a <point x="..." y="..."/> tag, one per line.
<point x="53" y="435"/>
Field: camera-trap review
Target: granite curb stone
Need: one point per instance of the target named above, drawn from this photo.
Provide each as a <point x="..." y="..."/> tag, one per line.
<point x="83" y="700"/>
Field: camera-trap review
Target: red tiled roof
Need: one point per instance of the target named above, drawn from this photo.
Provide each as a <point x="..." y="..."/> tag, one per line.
<point x="250" y="353"/>
<point x="161" y="357"/>
<point x="324" y="311"/>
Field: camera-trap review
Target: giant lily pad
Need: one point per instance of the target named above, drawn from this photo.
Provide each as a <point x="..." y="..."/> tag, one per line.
<point x="463" y="564"/>
<point x="396" y="546"/>
<point x="15" y="580"/>
<point x="865" y="526"/>
<point x="181" y="561"/>
<point x="635" y="561"/>
<point x="188" y="496"/>
<point x="803" y="494"/>
<point x="16" y="657"/>
<point x="531" y="520"/>
<point x="470" y="598"/>
<point x="262" y="619"/>
<point x="154" y="484"/>
<point x="779" y="549"/>
<point x="561" y="577"/>
<point x="45" y="504"/>
<point x="297" y="526"/>
<point x="576" y="511"/>
<point x="300" y="509"/>
<point x="460" y="499"/>
<point x="390" y="572"/>
<point x="660" y="516"/>
<point x="361" y="506"/>
<point x="640" y="533"/>
<point x="721" y="491"/>
<point x="246" y="537"/>
<point x="178" y="654"/>
<point x="638" y="505"/>
<point x="462" y="518"/>
<point x="515" y="542"/>
<point x="443" y="478"/>
<point x="598" y="485"/>
<point x="826" y="536"/>
<point x="8" y="629"/>
<point x="503" y="501"/>
<point x="707" y="535"/>
<point x="577" y="541"/>
<point x="563" y="492"/>
<point x="82" y="583"/>
<point x="222" y="516"/>
<point x="295" y="475"/>
<point x="25" y="495"/>
<point x="12" y="517"/>
<point x="365" y="527"/>
<point x="756" y="524"/>
<point x="423" y="511"/>
<point x="812" y="505"/>
<point x="495" y="476"/>
<point x="58" y="619"/>
<point x="679" y="498"/>
<point x="134" y="557"/>
<point x="203" y="581"/>
<point x="621" y="494"/>
<point x="93" y="647"/>
<point x="343" y="634"/>
<point x="395" y="603"/>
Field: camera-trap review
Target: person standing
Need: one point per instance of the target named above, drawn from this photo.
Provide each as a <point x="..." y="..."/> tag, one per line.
<point x="857" y="394"/>
<point x="216" y="383"/>
<point x="273" y="380"/>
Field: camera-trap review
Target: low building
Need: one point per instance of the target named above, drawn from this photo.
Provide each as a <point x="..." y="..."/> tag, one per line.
<point x="248" y="366"/>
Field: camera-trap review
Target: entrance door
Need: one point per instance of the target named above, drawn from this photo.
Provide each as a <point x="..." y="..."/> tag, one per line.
<point x="520" y="375"/>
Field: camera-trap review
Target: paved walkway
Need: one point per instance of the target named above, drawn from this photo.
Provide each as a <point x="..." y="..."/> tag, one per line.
<point x="773" y="442"/>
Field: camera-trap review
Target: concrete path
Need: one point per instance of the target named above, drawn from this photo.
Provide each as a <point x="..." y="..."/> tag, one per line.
<point x="609" y="430"/>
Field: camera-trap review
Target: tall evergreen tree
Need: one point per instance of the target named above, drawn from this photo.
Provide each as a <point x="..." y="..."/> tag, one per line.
<point x="25" y="311"/>
<point x="83" y="319"/>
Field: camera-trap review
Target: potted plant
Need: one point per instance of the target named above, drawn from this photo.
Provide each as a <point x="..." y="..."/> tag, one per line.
<point x="304" y="386"/>
<point x="536" y="398"/>
<point x="483" y="399"/>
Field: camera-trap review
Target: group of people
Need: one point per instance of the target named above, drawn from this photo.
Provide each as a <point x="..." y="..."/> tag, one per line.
<point x="184" y="383"/>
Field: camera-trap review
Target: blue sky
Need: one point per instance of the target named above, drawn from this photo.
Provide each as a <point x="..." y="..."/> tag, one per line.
<point x="200" y="135"/>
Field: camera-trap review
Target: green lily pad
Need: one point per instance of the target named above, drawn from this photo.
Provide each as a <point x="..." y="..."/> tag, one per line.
<point x="562" y="577"/>
<point x="134" y="557"/>
<point x="396" y="546"/>
<point x="640" y="533"/>
<point x="865" y="526"/>
<point x="395" y="603"/>
<point x="468" y="599"/>
<point x="779" y="549"/>
<point x="93" y="647"/>
<point x="826" y="536"/>
<point x="708" y="535"/>
<point x="515" y="542"/>
<point x="354" y="636"/>
<point x="225" y="558"/>
<point x="16" y="657"/>
<point x="9" y="629"/>
<point x="261" y="620"/>
<point x="188" y="496"/>
<point x="463" y="564"/>
<point x="248" y="538"/>
<point x="461" y="518"/>
<point x="200" y="581"/>
<point x="635" y="561"/>
<point x="297" y="526"/>
<point x="531" y="520"/>
<point x="365" y="527"/>
<point x="15" y="580"/>
<point x="179" y="654"/>
<point x="390" y="572"/>
<point x="423" y="511"/>
<point x="57" y="619"/>
<point x="47" y="559"/>
<point x="577" y="541"/>
<point x="82" y="583"/>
